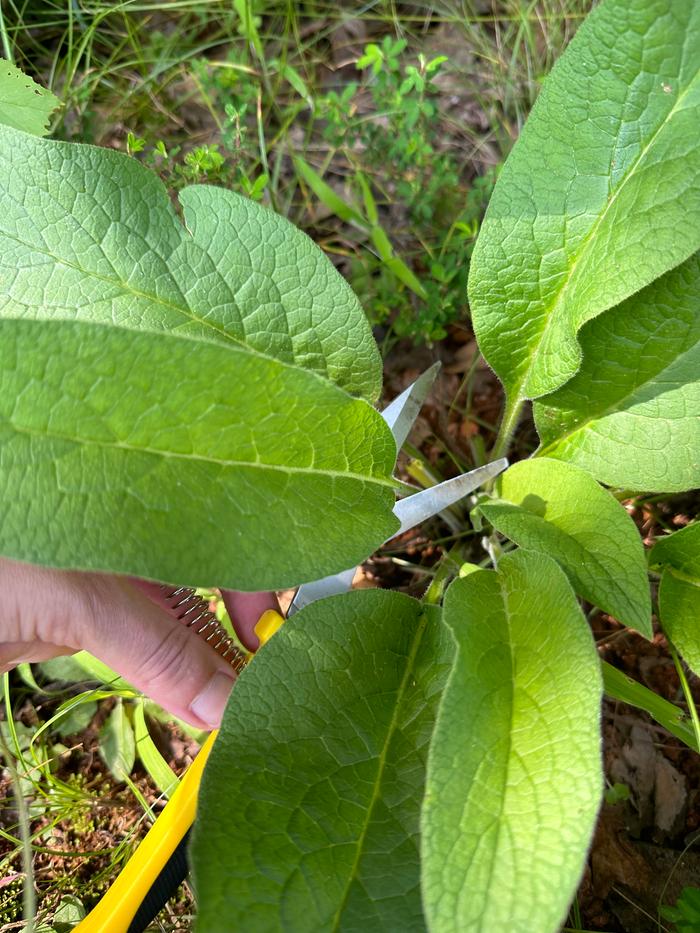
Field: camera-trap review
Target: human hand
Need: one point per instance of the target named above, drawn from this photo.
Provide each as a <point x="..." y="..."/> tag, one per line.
<point x="45" y="613"/>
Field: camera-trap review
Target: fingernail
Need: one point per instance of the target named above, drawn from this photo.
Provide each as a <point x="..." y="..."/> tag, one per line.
<point x="209" y="705"/>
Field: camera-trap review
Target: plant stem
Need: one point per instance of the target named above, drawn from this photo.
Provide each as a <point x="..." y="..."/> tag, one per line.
<point x="263" y="149"/>
<point x="444" y="572"/>
<point x="28" y="896"/>
<point x="6" y="47"/>
<point x="509" y="422"/>
<point x="686" y="693"/>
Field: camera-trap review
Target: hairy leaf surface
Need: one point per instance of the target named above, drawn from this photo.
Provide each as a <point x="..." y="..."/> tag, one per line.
<point x="89" y="233"/>
<point x="514" y="771"/>
<point x="308" y="816"/>
<point x="631" y="415"/>
<point x="186" y="461"/>
<point x="556" y="508"/>
<point x="600" y="195"/>
<point x="24" y="104"/>
<point x="678" y="555"/>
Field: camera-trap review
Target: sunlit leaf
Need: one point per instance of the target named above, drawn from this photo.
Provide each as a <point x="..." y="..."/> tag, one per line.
<point x="556" y="508"/>
<point x="24" y="104"/>
<point x="514" y="772"/>
<point x="631" y="415"/>
<point x="308" y="816"/>
<point x="89" y="233"/>
<point x="183" y="460"/>
<point x="600" y="195"/>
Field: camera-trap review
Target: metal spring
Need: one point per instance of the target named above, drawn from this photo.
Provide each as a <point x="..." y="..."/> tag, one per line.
<point x="191" y="609"/>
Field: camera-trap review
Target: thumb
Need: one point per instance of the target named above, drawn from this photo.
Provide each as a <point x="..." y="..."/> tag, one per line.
<point x="154" y="652"/>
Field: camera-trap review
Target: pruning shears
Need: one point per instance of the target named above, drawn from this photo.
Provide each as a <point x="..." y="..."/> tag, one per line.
<point x="159" y="865"/>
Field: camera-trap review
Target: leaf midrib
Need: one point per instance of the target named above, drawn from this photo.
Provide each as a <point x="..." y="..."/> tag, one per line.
<point x="129" y="290"/>
<point x="500" y="822"/>
<point x="199" y="458"/>
<point x="381" y="765"/>
<point x="619" y="406"/>
<point x="558" y="298"/>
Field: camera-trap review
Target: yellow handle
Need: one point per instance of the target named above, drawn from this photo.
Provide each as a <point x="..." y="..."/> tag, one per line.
<point x="116" y="910"/>
<point x="267" y="625"/>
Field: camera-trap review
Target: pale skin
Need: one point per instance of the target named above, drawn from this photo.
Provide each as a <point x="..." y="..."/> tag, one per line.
<point x="45" y="613"/>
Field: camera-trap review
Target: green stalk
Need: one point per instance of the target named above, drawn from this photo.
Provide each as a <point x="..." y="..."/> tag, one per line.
<point x="509" y="422"/>
<point x="263" y="149"/>
<point x="445" y="571"/>
<point x="28" y="895"/>
<point x="6" y="47"/>
<point x="686" y="693"/>
<point x="620" y="687"/>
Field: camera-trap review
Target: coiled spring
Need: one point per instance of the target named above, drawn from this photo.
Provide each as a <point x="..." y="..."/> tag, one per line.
<point x="194" y="612"/>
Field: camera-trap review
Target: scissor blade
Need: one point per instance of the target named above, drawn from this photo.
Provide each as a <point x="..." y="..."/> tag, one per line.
<point x="415" y="509"/>
<point x="410" y="511"/>
<point x="401" y="414"/>
<point x="319" y="589"/>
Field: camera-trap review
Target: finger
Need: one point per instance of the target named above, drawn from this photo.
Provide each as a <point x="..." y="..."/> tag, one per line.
<point x="245" y="609"/>
<point x="47" y="612"/>
<point x="22" y="652"/>
<point x="33" y="614"/>
<point x="156" y="653"/>
<point x="183" y="604"/>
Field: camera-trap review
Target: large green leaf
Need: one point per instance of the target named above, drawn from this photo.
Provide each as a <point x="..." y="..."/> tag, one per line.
<point x="600" y="195"/>
<point x="183" y="460"/>
<point x="678" y="556"/>
<point x="89" y="233"/>
<point x="631" y="415"/>
<point x="308" y="816"/>
<point x="24" y="104"/>
<point x="514" y="771"/>
<point x="554" y="507"/>
<point x="681" y="550"/>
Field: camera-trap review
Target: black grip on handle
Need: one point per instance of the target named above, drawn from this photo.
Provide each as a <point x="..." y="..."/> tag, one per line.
<point x="171" y="876"/>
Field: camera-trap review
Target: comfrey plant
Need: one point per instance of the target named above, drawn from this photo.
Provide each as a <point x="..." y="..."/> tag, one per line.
<point x="385" y="763"/>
